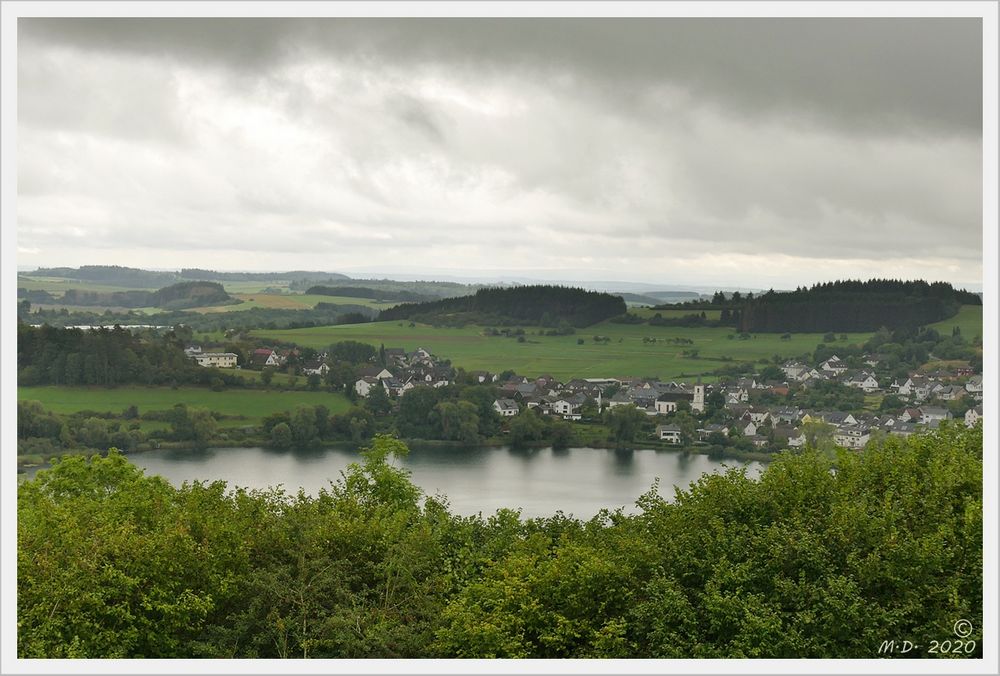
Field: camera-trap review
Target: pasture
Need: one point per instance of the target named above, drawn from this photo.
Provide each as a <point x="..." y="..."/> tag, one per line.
<point x="290" y="301"/>
<point x="626" y="353"/>
<point x="969" y="320"/>
<point x="253" y="405"/>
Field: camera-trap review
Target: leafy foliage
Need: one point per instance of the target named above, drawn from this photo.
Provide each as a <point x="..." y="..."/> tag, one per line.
<point x="803" y="562"/>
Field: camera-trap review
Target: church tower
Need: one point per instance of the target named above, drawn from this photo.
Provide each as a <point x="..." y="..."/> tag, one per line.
<point x="698" y="403"/>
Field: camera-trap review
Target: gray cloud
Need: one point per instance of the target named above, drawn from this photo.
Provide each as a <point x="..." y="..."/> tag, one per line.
<point x="641" y="145"/>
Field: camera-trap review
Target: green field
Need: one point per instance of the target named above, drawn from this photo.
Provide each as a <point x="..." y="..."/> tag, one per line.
<point x="561" y="356"/>
<point x="59" y="285"/>
<point x="647" y="312"/>
<point x="290" y="301"/>
<point x="969" y="320"/>
<point x="251" y="404"/>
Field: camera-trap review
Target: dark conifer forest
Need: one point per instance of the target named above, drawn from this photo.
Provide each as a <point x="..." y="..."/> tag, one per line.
<point x="538" y="305"/>
<point x="852" y="306"/>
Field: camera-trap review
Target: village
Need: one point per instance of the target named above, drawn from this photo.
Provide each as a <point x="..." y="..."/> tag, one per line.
<point x="759" y="412"/>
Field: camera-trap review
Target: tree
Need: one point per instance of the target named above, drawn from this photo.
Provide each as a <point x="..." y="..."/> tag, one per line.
<point x="688" y="426"/>
<point x="378" y="401"/>
<point x="891" y="402"/>
<point x="281" y="436"/>
<point x="525" y="427"/>
<point x="819" y="435"/>
<point x="352" y="352"/>
<point x="458" y="420"/>
<point x="304" y="431"/>
<point x="267" y="375"/>
<point x="561" y="434"/>
<point x="414" y="417"/>
<point x="626" y="423"/>
<point x="192" y="424"/>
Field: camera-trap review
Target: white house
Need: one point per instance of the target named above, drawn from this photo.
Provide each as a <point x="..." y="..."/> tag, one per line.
<point x="376" y="372"/>
<point x="505" y="407"/>
<point x="669" y="433"/>
<point x="222" y="360"/>
<point x="364" y="385"/>
<point x="569" y="408"/>
<point x="863" y="381"/>
<point x="757" y="415"/>
<point x="852" y="436"/>
<point x="316" y="368"/>
<point x="929" y="414"/>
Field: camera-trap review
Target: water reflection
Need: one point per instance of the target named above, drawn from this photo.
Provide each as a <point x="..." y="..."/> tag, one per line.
<point x="624" y="460"/>
<point x="539" y="481"/>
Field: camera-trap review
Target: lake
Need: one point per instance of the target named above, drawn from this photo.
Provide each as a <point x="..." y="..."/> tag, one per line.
<point x="577" y="481"/>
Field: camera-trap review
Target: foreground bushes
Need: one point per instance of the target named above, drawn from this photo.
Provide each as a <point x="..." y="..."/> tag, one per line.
<point x="805" y="562"/>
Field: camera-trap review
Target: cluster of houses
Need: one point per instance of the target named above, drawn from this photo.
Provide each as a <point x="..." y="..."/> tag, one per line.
<point x="762" y="426"/>
<point x="916" y="387"/>
<point x="404" y="371"/>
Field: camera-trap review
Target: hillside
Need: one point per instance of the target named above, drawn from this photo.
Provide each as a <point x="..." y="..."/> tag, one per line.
<point x="112" y="275"/>
<point x="533" y="305"/>
<point x="853" y="306"/>
<point x="373" y="294"/>
<point x="174" y="297"/>
<point x="137" y="278"/>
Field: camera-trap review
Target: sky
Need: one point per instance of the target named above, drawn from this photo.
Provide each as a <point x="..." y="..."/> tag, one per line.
<point x="743" y="152"/>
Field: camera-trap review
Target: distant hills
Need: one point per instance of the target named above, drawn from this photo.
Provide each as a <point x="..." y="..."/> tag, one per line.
<point x="136" y="278"/>
<point x="179" y="296"/>
<point x="365" y="292"/>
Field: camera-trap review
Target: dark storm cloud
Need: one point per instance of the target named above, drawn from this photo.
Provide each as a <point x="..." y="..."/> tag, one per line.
<point x="753" y="147"/>
<point x="866" y="71"/>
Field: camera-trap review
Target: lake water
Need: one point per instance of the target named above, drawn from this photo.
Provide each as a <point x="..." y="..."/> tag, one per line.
<point x="577" y="481"/>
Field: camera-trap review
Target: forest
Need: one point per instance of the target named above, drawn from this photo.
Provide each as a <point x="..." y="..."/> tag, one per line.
<point x="803" y="562"/>
<point x="174" y="297"/>
<point x="852" y="306"/>
<point x="364" y="292"/>
<point x="548" y="306"/>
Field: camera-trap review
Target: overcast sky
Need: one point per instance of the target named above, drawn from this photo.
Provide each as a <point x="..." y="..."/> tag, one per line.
<point x="679" y="151"/>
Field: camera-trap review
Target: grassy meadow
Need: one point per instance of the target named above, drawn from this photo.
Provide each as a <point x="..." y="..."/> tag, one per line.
<point x="647" y="312"/>
<point x="561" y="356"/>
<point x="290" y="301"/>
<point x="253" y="405"/>
<point x="969" y="320"/>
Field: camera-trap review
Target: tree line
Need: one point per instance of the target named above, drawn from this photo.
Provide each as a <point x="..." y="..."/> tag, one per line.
<point x="800" y="563"/>
<point x="852" y="305"/>
<point x="364" y="292"/>
<point x="522" y="304"/>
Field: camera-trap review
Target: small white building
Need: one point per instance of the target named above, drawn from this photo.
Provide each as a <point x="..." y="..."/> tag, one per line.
<point x="221" y="360"/>
<point x="364" y="386"/>
<point x="506" y="407"/>
<point x="930" y="414"/>
<point x="669" y="433"/>
<point x="852" y="436"/>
